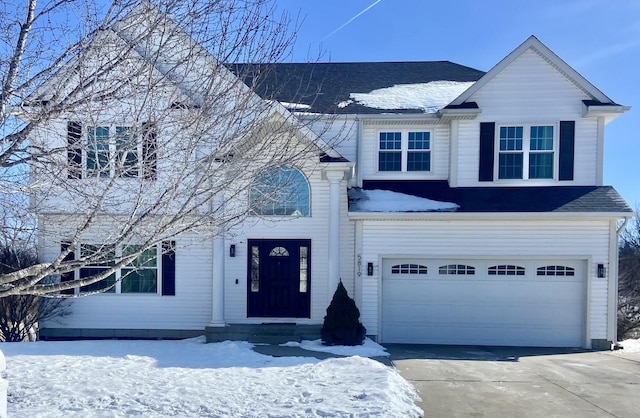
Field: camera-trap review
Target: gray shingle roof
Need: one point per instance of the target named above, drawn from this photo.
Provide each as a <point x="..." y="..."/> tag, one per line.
<point x="322" y="86"/>
<point x="587" y="199"/>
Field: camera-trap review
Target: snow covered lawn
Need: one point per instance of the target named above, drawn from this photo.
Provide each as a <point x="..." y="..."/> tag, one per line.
<point x="192" y="379"/>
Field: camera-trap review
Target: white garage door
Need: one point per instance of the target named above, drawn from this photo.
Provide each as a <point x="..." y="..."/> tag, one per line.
<point x="484" y="302"/>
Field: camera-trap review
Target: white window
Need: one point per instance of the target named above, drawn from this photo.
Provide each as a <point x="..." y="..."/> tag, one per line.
<point x="141" y="275"/>
<point x="112" y="151"/>
<point x="526" y="152"/>
<point x="404" y="151"/>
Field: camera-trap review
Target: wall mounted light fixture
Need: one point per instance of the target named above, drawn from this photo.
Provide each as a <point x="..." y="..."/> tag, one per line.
<point x="602" y="271"/>
<point x="232" y="250"/>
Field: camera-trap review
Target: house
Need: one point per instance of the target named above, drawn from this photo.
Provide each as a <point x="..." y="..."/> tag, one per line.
<point x="457" y="207"/>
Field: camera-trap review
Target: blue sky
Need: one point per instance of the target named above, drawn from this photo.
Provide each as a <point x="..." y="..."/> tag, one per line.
<point x="598" y="38"/>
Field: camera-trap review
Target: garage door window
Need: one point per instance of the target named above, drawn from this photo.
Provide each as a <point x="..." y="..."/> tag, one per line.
<point x="456" y="269"/>
<point x="506" y="270"/>
<point x="409" y="269"/>
<point x="555" y="271"/>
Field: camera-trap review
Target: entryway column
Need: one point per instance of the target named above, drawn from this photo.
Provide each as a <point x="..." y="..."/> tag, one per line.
<point x="334" y="177"/>
<point x="217" y="311"/>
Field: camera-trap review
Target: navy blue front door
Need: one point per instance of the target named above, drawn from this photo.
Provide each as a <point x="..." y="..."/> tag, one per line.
<point x="278" y="282"/>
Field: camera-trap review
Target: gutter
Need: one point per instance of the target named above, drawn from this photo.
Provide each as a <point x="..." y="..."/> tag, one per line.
<point x="447" y="216"/>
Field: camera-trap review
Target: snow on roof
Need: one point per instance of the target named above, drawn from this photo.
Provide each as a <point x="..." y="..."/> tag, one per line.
<point x="295" y="106"/>
<point x="361" y="200"/>
<point x="428" y="97"/>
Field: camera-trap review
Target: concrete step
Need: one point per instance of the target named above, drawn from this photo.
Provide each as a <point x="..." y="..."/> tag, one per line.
<point x="263" y="333"/>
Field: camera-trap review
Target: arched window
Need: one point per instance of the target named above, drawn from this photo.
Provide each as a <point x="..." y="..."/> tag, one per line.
<point x="283" y="191"/>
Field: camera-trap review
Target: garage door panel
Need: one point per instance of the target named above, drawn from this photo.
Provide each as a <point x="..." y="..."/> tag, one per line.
<point x="483" y="309"/>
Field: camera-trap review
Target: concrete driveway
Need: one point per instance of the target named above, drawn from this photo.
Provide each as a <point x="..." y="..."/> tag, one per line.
<point x="456" y="381"/>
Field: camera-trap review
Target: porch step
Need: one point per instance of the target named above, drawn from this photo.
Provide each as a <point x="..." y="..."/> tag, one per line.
<point x="263" y="333"/>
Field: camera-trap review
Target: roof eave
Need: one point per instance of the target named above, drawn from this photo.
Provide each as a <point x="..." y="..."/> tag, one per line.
<point x="607" y="111"/>
<point x="458" y="114"/>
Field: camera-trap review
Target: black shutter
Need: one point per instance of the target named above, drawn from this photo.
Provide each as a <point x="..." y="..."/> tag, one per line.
<point x="74" y="150"/>
<point x="68" y="276"/>
<point x="567" y="149"/>
<point x="149" y="151"/>
<point x="168" y="268"/>
<point x="487" y="146"/>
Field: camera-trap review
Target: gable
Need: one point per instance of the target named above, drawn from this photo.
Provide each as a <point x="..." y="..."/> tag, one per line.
<point x="108" y="58"/>
<point x="529" y="84"/>
<point x="529" y="59"/>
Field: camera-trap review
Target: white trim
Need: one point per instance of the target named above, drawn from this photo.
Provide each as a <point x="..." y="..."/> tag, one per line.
<point x="454" y="133"/>
<point x="360" y="268"/>
<point x="607" y="111"/>
<point x="588" y="304"/>
<point x="533" y="43"/>
<point x="600" y="153"/>
<point x="359" y="153"/>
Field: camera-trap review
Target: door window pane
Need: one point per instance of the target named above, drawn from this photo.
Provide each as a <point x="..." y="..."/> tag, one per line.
<point x="255" y="268"/>
<point x="304" y="264"/>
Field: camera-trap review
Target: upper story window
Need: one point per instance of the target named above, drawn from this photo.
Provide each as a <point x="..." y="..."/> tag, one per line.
<point x="535" y="151"/>
<point x="111" y="151"/>
<point x="404" y="151"/>
<point x="526" y="152"/>
<point x="283" y="191"/>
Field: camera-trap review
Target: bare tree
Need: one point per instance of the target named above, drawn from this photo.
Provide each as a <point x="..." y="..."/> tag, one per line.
<point x="629" y="281"/>
<point x="20" y="315"/>
<point x="130" y="127"/>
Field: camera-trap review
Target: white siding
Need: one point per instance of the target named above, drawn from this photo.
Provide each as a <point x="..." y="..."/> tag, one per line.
<point x="339" y="132"/>
<point x="529" y="90"/>
<point x="580" y="240"/>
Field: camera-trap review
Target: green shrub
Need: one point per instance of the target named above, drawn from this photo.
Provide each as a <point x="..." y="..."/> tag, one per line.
<point x="342" y="324"/>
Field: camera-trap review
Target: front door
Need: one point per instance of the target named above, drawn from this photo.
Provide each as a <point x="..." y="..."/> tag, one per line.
<point x="278" y="282"/>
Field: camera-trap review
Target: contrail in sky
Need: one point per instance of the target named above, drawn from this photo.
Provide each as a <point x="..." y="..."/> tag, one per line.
<point x="352" y="19"/>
